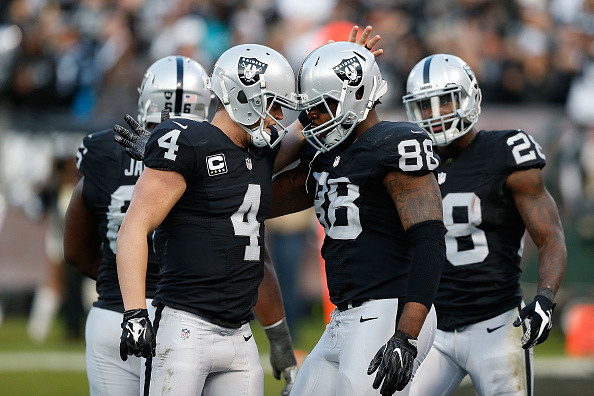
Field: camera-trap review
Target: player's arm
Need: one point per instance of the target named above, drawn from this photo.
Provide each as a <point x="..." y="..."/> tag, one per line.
<point x="290" y="194"/>
<point x="82" y="244"/>
<point x="271" y="314"/>
<point x="418" y="201"/>
<point x="541" y="217"/>
<point x="292" y="145"/>
<point x="155" y="193"/>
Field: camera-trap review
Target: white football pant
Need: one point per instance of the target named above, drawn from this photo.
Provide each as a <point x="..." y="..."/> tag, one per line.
<point x="108" y="374"/>
<point x="337" y="366"/>
<point x="489" y="351"/>
<point x="196" y="357"/>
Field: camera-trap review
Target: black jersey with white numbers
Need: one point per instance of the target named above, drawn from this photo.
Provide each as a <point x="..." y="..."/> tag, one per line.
<point x="366" y="250"/>
<point x="210" y="245"/>
<point x="485" y="233"/>
<point x="109" y="175"/>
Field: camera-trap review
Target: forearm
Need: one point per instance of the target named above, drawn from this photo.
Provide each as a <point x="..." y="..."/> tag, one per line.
<point x="269" y="308"/>
<point x="132" y="256"/>
<point x="289" y="193"/>
<point x="552" y="262"/>
<point x="412" y="319"/>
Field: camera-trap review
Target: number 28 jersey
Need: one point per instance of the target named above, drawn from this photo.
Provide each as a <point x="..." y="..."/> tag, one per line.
<point x="209" y="246"/>
<point x="366" y="250"/>
<point x="485" y="233"/>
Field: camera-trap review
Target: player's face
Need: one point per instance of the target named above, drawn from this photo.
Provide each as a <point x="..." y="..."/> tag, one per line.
<point x="436" y="106"/>
<point x="275" y="111"/>
<point x="321" y="113"/>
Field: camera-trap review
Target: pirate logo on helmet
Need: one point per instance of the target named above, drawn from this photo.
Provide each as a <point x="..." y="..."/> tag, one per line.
<point x="349" y="70"/>
<point x="249" y="70"/>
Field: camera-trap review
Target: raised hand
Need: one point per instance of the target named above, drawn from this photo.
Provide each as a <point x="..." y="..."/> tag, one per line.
<point x="134" y="142"/>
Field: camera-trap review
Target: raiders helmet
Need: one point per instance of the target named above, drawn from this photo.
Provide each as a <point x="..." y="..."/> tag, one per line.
<point x="177" y="84"/>
<point x="436" y="80"/>
<point x="347" y="73"/>
<point x="250" y="79"/>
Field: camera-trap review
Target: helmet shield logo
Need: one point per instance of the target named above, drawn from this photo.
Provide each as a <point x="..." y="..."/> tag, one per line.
<point x="168" y="94"/>
<point x="249" y="70"/>
<point x="349" y="70"/>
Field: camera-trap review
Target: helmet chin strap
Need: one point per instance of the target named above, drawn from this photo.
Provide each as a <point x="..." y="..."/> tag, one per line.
<point x="257" y="135"/>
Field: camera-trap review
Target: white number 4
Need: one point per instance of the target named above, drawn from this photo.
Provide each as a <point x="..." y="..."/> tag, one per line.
<point x="249" y="227"/>
<point x="169" y="142"/>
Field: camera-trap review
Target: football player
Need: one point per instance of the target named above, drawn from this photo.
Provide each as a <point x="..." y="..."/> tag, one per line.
<point x="207" y="187"/>
<point x="492" y="188"/>
<point x="97" y="208"/>
<point x="373" y="189"/>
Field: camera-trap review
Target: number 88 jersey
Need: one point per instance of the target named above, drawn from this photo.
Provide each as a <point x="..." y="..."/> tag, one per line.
<point x="485" y="233"/>
<point x="209" y="246"/>
<point x="366" y="250"/>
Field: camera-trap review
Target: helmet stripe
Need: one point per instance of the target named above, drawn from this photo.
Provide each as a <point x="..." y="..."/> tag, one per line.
<point x="180" y="85"/>
<point x="426" y="70"/>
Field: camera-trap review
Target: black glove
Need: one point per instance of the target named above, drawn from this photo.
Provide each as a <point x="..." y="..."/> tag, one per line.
<point x="395" y="361"/>
<point x="138" y="337"/>
<point x="538" y="319"/>
<point x="134" y="142"/>
<point x="282" y="358"/>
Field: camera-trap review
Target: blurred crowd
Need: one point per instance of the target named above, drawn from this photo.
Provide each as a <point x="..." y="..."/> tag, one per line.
<point x="82" y="60"/>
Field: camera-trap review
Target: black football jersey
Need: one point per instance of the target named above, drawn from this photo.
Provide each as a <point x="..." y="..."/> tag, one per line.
<point x="109" y="178"/>
<point x="485" y="233"/>
<point x="366" y="250"/>
<point x="210" y="245"/>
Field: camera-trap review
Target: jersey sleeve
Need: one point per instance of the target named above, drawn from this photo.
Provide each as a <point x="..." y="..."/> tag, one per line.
<point x="522" y="152"/>
<point x="405" y="148"/>
<point x="168" y="148"/>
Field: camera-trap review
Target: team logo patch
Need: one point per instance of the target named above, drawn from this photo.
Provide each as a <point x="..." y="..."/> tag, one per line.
<point x="185" y="334"/>
<point x="168" y="94"/>
<point x="249" y="70"/>
<point x="349" y="70"/>
<point x="336" y="161"/>
<point x="441" y="177"/>
<point x="248" y="163"/>
<point x="216" y="164"/>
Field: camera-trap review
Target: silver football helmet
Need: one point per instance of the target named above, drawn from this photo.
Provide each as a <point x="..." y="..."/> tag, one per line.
<point x="346" y="73"/>
<point x="177" y="84"/>
<point x="437" y="80"/>
<point x="250" y="79"/>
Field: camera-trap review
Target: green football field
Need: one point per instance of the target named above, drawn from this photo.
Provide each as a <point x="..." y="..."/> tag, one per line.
<point x="57" y="366"/>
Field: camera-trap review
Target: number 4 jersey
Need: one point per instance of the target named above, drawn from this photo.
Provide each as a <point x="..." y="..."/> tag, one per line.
<point x="366" y="250"/>
<point x="485" y="233"/>
<point x="209" y="246"/>
<point x="109" y="178"/>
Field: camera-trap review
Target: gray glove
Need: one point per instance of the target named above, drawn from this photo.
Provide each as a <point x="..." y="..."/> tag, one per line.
<point x="282" y="358"/>
<point x="134" y="142"/>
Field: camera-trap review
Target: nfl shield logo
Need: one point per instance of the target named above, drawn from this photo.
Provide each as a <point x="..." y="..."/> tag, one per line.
<point x="248" y="163"/>
<point x="185" y="334"/>
<point x="249" y="70"/>
<point x="441" y="176"/>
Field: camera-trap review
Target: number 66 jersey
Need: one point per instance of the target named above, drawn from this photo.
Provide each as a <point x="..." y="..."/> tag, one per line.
<point x="209" y="246"/>
<point x="366" y="250"/>
<point x="485" y="233"/>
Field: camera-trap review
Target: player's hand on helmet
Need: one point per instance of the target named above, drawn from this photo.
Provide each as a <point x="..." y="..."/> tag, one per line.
<point x="394" y="363"/>
<point x="138" y="337"/>
<point x="363" y="40"/>
<point x="282" y="357"/>
<point x="537" y="316"/>
<point x="133" y="141"/>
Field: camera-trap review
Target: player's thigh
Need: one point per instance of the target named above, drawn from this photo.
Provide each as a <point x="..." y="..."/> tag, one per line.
<point x="108" y="374"/>
<point x="180" y="365"/>
<point x="498" y="365"/>
<point x="317" y="375"/>
<point x="438" y="374"/>
<point x="236" y="370"/>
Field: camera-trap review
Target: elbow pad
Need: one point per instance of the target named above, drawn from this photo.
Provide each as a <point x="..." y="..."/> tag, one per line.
<point x="428" y="240"/>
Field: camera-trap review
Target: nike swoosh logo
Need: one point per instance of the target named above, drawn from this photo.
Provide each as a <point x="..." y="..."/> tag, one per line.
<point x="399" y="355"/>
<point x="494" y="328"/>
<point x="362" y="319"/>
<point x="413" y="131"/>
<point x="248" y="337"/>
<point x="180" y="125"/>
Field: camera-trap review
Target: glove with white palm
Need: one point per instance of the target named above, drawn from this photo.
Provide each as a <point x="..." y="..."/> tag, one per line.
<point x="537" y="317"/>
